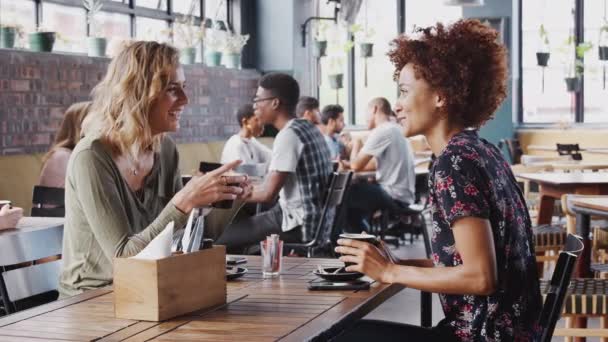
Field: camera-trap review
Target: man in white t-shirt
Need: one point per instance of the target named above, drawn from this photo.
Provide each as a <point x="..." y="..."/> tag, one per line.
<point x="244" y="145"/>
<point x="390" y="155"/>
<point x="299" y="171"/>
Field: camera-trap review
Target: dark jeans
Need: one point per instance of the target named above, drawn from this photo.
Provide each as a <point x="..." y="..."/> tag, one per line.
<point x="373" y="330"/>
<point x="251" y="230"/>
<point x="363" y="199"/>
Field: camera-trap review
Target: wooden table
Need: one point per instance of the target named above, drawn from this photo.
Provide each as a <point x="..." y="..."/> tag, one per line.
<point x="554" y="185"/>
<point x="257" y="309"/>
<point x="584" y="208"/>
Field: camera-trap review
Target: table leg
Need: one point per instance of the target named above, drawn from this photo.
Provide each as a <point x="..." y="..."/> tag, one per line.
<point x="545" y="209"/>
<point x="426" y="309"/>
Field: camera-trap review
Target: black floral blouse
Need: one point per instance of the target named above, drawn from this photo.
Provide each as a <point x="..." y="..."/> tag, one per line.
<point x="471" y="178"/>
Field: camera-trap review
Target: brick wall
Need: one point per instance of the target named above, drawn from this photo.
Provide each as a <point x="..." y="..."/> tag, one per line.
<point x="36" y="89"/>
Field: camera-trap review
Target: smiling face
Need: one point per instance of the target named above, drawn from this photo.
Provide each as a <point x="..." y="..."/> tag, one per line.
<point x="265" y="106"/>
<point x="418" y="105"/>
<point x="167" y="108"/>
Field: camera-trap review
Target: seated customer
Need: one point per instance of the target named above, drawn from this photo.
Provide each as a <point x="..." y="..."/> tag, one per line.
<point x="332" y="124"/>
<point x="244" y="146"/>
<point x="299" y="170"/>
<point x="308" y="109"/>
<point x="388" y="153"/>
<point x="9" y="216"/>
<point x="55" y="162"/>
<point x="123" y="184"/>
<point x="452" y="79"/>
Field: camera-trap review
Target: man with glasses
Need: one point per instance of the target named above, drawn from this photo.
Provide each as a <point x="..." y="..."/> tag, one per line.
<point x="387" y="152"/>
<point x="299" y="171"/>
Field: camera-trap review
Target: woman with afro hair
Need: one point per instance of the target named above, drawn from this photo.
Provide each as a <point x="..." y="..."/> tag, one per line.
<point x="451" y="81"/>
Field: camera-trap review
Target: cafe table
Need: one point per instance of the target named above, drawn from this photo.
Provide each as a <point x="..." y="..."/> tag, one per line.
<point x="555" y="184"/>
<point x="584" y="208"/>
<point x="30" y="233"/>
<point x="257" y="309"/>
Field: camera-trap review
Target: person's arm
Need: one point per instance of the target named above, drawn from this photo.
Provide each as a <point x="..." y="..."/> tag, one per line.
<point x="360" y="161"/>
<point x="54" y="169"/>
<point x="476" y="276"/>
<point x="269" y="190"/>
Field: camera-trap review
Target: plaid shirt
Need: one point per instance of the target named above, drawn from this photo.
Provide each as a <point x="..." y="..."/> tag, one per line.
<point x="312" y="174"/>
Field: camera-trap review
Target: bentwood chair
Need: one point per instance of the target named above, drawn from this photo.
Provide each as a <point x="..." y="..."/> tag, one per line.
<point x="558" y="289"/>
<point x="332" y="208"/>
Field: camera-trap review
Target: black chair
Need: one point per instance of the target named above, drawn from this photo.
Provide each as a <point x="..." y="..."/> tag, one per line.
<point x="572" y="150"/>
<point x="514" y="149"/>
<point x="24" y="284"/>
<point x="556" y="290"/>
<point x="338" y="186"/>
<point x="48" y="201"/>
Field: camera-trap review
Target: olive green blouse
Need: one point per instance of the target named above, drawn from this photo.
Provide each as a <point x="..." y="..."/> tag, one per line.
<point x="106" y="219"/>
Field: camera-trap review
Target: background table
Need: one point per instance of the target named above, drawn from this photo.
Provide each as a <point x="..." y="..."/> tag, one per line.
<point x="258" y="310"/>
<point x="584" y="208"/>
<point x="554" y="185"/>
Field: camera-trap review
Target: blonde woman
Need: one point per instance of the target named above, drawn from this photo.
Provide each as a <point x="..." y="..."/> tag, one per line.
<point x="55" y="162"/>
<point x="123" y="184"/>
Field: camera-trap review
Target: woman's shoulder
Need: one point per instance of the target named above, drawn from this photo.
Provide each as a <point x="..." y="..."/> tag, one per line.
<point x="464" y="150"/>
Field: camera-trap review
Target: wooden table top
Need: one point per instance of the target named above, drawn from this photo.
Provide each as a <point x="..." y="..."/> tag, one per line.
<point x="559" y="178"/>
<point x="596" y="203"/>
<point x="257" y="309"/>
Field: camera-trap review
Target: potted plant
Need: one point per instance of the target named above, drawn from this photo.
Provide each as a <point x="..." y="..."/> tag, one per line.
<point x="364" y="35"/>
<point x="186" y="35"/>
<point x="214" y="38"/>
<point x="96" y="45"/>
<point x="543" y="53"/>
<point x="336" y="66"/>
<point x="575" y="67"/>
<point x="603" y="42"/>
<point x="42" y="40"/>
<point x="233" y="45"/>
<point x="320" y="41"/>
<point x="9" y="34"/>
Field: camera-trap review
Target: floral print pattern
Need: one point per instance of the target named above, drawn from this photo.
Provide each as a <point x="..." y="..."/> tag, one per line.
<point x="471" y="178"/>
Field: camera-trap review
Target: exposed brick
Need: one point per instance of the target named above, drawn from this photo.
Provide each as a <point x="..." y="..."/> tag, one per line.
<point x="36" y="89"/>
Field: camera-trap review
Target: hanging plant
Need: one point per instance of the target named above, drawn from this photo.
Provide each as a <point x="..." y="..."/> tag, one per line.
<point x="320" y="40"/>
<point x="336" y="66"/>
<point x="575" y="67"/>
<point x="603" y="48"/>
<point x="543" y="54"/>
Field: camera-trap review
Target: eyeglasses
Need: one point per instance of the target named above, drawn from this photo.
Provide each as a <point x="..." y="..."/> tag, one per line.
<point x="256" y="100"/>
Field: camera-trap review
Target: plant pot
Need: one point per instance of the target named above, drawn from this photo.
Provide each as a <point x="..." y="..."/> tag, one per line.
<point x="187" y="55"/>
<point x="232" y="60"/>
<point x="335" y="81"/>
<point x="319" y="48"/>
<point x="367" y="50"/>
<point x="542" y="58"/>
<point x="7" y="37"/>
<point x="573" y="84"/>
<point x="213" y="58"/>
<point x="41" y="41"/>
<point x="603" y="52"/>
<point x="96" y="47"/>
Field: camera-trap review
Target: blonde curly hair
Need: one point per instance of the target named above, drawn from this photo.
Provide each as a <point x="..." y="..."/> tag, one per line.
<point x="124" y="98"/>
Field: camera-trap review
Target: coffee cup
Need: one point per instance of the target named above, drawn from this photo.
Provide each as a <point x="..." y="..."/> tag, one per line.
<point x="360" y="237"/>
<point x="208" y="167"/>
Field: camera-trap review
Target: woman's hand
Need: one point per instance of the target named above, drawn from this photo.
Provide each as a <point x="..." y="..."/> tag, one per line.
<point x="205" y="189"/>
<point x="10" y="216"/>
<point x="368" y="258"/>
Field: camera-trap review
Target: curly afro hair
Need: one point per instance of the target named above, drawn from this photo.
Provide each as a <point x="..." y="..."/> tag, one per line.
<point x="463" y="62"/>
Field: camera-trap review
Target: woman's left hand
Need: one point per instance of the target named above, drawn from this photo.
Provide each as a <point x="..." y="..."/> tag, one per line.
<point x="368" y="259"/>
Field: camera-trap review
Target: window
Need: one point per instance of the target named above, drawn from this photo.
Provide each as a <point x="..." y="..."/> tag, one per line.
<point x="381" y="18"/>
<point x="151" y="29"/>
<point x="216" y="9"/>
<point x="116" y="27"/>
<point x="21" y="13"/>
<point x="596" y="89"/>
<point x="187" y="7"/>
<point x="547" y="101"/>
<point x="155" y="4"/>
<point x="69" y="23"/>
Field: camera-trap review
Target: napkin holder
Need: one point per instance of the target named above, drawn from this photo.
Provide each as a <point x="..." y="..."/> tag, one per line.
<point x="156" y="290"/>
